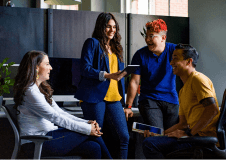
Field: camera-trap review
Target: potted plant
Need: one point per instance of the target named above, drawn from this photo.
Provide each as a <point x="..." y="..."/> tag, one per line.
<point x="5" y="81"/>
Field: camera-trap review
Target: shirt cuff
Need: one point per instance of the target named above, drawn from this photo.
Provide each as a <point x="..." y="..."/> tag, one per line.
<point x="101" y="76"/>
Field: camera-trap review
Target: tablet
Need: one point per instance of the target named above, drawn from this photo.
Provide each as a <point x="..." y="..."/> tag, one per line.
<point x="129" y="69"/>
<point x="140" y="127"/>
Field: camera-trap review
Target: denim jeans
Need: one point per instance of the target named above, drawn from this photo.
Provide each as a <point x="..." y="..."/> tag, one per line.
<point x="69" y="143"/>
<point x="112" y="114"/>
<point x="158" y="147"/>
<point x="159" y="113"/>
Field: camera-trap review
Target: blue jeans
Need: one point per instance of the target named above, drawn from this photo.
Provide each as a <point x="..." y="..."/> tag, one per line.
<point x="159" y="147"/>
<point x="66" y="142"/>
<point x="159" y="113"/>
<point x="112" y="114"/>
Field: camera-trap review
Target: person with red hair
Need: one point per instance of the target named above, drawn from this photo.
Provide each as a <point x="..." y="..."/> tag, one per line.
<point x="158" y="100"/>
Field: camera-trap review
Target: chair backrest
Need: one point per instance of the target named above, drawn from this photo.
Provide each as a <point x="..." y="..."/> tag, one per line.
<point x="221" y="125"/>
<point x="11" y="114"/>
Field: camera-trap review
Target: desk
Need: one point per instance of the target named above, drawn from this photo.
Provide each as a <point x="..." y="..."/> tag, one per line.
<point x="69" y="106"/>
<point x="57" y="98"/>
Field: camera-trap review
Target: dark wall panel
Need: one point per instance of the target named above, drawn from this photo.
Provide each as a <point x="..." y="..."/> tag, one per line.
<point x="21" y="30"/>
<point x="72" y="28"/>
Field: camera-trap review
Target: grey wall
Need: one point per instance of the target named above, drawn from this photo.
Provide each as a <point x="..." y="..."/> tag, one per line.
<point x="207" y="35"/>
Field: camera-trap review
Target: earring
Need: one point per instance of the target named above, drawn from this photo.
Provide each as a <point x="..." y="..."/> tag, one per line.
<point x="37" y="77"/>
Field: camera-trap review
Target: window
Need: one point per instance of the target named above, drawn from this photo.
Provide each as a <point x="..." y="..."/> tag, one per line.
<point x="160" y="7"/>
<point x="66" y="7"/>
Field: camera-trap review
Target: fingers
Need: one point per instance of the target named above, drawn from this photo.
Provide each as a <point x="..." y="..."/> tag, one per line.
<point x="127" y="116"/>
<point x="146" y="133"/>
<point x="118" y="72"/>
<point x="131" y="114"/>
<point x="128" y="113"/>
<point x="124" y="73"/>
<point x="98" y="133"/>
<point x="95" y="131"/>
<point x="91" y="121"/>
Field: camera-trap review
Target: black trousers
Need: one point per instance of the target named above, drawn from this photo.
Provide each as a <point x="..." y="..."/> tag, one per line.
<point x="159" y="113"/>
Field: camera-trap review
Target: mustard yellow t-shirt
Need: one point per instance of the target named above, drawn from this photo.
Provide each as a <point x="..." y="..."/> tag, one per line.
<point x="196" y="88"/>
<point x="113" y="93"/>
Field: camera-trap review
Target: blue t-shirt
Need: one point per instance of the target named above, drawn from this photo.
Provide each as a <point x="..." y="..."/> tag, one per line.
<point x="157" y="79"/>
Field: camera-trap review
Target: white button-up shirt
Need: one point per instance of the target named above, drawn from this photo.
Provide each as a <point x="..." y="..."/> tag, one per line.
<point x="37" y="116"/>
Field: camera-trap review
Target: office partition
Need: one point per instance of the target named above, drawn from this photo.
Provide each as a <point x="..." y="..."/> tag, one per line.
<point x="71" y="28"/>
<point x="21" y="30"/>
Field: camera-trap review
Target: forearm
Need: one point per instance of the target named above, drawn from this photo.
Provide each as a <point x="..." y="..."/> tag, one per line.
<point x="61" y="111"/>
<point x="131" y="92"/>
<point x="207" y="116"/>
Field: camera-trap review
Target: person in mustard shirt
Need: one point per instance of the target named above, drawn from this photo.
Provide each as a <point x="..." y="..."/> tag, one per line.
<point x="101" y="88"/>
<point x="198" y="111"/>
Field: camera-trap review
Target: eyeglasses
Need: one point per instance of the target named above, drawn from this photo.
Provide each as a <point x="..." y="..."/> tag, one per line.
<point x="151" y="36"/>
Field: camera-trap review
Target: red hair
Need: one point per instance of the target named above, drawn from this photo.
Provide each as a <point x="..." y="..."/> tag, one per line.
<point x="156" y="26"/>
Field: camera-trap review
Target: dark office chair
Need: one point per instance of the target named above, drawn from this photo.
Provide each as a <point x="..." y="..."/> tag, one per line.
<point x="206" y="146"/>
<point x="38" y="140"/>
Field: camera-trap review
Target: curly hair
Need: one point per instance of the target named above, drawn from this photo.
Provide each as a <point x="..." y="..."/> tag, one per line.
<point x="99" y="33"/>
<point x="26" y="76"/>
<point x="157" y="26"/>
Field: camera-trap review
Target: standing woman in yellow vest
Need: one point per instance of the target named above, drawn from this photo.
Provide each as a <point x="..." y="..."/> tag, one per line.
<point x="101" y="89"/>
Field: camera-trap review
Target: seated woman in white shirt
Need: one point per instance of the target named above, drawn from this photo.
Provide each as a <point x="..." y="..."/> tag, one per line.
<point x="40" y="115"/>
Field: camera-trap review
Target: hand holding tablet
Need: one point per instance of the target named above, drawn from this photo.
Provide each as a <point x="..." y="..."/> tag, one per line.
<point x="129" y="69"/>
<point x="153" y="131"/>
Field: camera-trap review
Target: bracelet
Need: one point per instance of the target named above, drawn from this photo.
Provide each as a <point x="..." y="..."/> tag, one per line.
<point x="127" y="107"/>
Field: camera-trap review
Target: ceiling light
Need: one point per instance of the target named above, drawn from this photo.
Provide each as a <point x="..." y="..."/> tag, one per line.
<point x="63" y="2"/>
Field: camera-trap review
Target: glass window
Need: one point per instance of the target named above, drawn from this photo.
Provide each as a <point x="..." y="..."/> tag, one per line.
<point x="66" y="7"/>
<point x="160" y="7"/>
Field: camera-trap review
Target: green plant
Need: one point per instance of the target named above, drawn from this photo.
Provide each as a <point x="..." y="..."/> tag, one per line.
<point x="5" y="81"/>
<point x="144" y="32"/>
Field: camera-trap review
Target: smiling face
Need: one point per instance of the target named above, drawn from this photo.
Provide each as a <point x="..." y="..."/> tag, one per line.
<point x="110" y="29"/>
<point x="155" y="41"/>
<point x="178" y="63"/>
<point x="44" y="70"/>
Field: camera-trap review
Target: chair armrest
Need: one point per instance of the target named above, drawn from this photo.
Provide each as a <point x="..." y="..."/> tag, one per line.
<point x="36" y="137"/>
<point x="202" y="140"/>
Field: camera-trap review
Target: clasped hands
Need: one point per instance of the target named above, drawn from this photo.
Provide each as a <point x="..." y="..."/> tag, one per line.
<point x="95" y="129"/>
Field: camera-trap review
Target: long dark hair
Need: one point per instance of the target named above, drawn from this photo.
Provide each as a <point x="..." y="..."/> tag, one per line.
<point x="26" y="76"/>
<point x="99" y="33"/>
